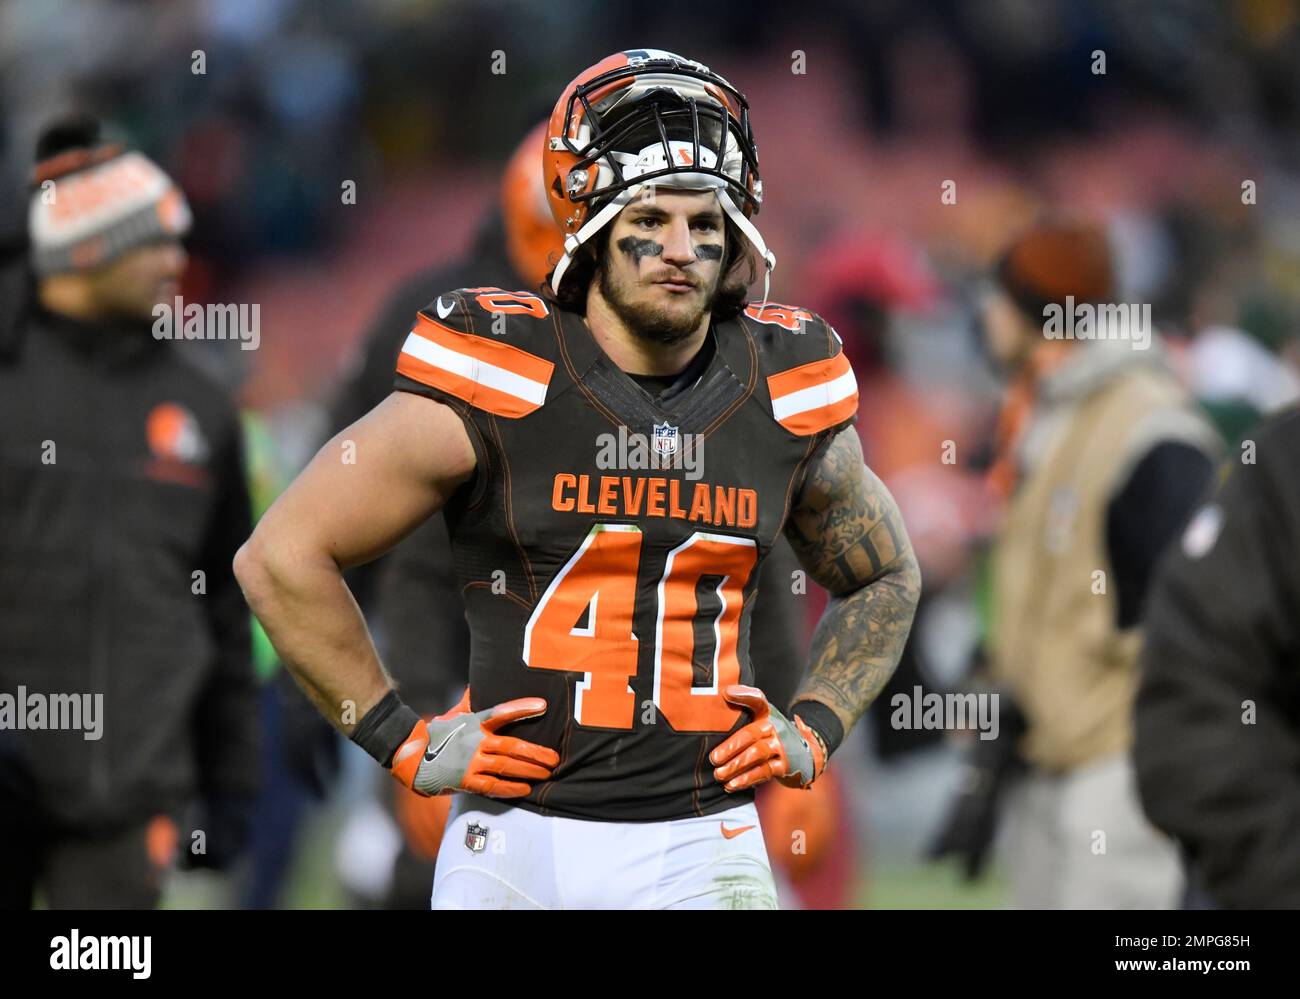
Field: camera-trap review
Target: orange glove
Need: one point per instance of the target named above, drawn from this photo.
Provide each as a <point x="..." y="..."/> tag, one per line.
<point x="770" y="746"/>
<point x="460" y="751"/>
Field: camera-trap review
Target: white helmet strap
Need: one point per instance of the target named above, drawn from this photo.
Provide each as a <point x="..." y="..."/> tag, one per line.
<point x="593" y="225"/>
<point x="755" y="237"/>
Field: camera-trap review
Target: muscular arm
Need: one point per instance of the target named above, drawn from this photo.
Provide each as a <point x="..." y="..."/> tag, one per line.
<point x="410" y="454"/>
<point x="847" y="533"/>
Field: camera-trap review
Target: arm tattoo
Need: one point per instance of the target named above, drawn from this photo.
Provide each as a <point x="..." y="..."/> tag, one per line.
<point x="848" y="534"/>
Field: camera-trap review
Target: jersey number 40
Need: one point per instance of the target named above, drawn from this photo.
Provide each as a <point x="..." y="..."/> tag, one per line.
<point x="600" y="580"/>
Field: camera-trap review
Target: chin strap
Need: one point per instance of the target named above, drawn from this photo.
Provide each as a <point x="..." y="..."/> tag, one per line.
<point x="574" y="241"/>
<point x="754" y="236"/>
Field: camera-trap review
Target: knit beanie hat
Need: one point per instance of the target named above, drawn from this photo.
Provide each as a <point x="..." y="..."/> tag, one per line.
<point x="92" y="202"/>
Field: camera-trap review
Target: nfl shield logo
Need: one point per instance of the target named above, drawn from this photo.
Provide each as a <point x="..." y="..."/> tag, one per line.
<point x="476" y="837"/>
<point x="665" y="438"/>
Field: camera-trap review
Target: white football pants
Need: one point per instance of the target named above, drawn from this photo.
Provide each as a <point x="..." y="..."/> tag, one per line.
<point x="496" y="856"/>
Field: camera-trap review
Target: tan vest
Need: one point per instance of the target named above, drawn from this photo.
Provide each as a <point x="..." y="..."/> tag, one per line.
<point x="1054" y="639"/>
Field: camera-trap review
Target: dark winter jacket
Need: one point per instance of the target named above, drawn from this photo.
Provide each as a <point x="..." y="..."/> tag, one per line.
<point x="122" y="503"/>
<point x="1218" y="709"/>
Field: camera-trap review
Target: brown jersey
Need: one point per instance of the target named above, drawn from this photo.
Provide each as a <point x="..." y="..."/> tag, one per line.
<point x="609" y="543"/>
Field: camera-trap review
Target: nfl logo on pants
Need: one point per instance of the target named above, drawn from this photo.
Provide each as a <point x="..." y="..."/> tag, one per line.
<point x="476" y="837"/>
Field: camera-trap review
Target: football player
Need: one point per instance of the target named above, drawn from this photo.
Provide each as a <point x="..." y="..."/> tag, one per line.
<point x="614" y="459"/>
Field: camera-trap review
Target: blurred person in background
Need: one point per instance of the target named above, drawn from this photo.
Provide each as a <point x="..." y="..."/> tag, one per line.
<point x="1102" y="456"/>
<point x="867" y="281"/>
<point x="123" y="500"/>
<point x="411" y="595"/>
<point x="1218" y="709"/>
<point x="863" y="281"/>
<point x="1236" y="363"/>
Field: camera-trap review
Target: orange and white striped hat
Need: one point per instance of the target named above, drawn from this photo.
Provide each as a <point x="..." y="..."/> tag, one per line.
<point x="91" y="205"/>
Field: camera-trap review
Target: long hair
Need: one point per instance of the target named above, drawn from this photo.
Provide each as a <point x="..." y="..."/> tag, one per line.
<point x="729" y="300"/>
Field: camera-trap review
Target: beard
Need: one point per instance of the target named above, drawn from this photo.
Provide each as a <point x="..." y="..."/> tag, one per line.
<point x="653" y="323"/>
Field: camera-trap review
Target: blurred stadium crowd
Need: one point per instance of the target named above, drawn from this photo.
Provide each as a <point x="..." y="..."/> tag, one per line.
<point x="904" y="145"/>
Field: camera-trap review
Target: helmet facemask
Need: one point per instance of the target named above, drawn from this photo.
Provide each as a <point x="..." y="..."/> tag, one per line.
<point x="669" y="122"/>
<point x="652" y="140"/>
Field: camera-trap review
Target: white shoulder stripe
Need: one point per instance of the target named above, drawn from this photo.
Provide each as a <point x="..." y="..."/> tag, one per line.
<point x="475" y="370"/>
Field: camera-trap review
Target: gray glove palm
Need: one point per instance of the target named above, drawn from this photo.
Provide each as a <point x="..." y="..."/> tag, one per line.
<point x="461" y="751"/>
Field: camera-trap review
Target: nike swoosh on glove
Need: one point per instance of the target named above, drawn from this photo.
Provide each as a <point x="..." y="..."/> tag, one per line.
<point x="769" y="747"/>
<point x="461" y="751"/>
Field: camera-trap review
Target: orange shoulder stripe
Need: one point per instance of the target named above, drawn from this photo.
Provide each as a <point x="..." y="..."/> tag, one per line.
<point x="814" y="396"/>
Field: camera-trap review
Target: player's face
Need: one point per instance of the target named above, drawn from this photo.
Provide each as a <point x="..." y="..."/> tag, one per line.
<point x="134" y="283"/>
<point x="664" y="263"/>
